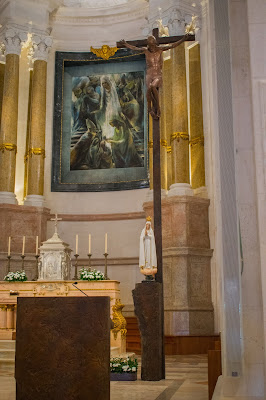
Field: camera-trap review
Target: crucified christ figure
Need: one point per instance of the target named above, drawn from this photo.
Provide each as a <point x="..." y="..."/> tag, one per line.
<point x="154" y="59"/>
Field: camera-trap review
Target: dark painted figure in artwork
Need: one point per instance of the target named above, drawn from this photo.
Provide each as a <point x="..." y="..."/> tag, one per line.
<point x="154" y="59"/>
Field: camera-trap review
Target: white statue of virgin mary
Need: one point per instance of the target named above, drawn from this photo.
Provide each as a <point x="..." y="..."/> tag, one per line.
<point x="147" y="250"/>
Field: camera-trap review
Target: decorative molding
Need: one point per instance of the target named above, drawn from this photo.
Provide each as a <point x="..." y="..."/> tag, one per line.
<point x="197" y="140"/>
<point x="13" y="39"/>
<point x="41" y="45"/>
<point x="100" y="217"/>
<point x="179" y="135"/>
<point x="176" y="17"/>
<point x="114" y="262"/>
<point x="8" y="146"/>
<point x="104" y="52"/>
<point x="37" y="151"/>
<point x="84" y="16"/>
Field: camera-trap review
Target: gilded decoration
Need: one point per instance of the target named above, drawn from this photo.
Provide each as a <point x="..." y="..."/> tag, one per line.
<point x="162" y="141"/>
<point x="119" y="320"/>
<point x="197" y="140"/>
<point x="37" y="151"/>
<point x="179" y="135"/>
<point x="8" y="146"/>
<point x="169" y="149"/>
<point x="105" y="52"/>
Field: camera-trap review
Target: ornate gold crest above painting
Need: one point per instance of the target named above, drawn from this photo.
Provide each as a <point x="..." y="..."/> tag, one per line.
<point x="100" y="121"/>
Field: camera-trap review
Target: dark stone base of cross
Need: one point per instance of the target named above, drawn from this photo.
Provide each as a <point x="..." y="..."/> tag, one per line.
<point x="147" y="298"/>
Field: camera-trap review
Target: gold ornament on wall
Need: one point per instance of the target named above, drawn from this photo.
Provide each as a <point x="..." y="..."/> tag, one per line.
<point x="105" y="52"/>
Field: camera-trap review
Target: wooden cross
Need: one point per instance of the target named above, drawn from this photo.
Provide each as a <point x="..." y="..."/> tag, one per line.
<point x="160" y="40"/>
<point x="56" y="219"/>
<point x="157" y="208"/>
<point x="156" y="154"/>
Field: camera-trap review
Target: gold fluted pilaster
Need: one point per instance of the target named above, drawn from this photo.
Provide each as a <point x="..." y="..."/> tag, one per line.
<point x="9" y="121"/>
<point x="166" y="121"/>
<point x="2" y="78"/>
<point x="37" y="129"/>
<point x="27" y="149"/>
<point x="179" y="136"/>
<point x="196" y="118"/>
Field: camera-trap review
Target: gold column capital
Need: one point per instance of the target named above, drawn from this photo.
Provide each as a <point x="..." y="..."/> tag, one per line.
<point x="3" y="307"/>
<point x="8" y="146"/>
<point x="179" y="135"/>
<point x="37" y="151"/>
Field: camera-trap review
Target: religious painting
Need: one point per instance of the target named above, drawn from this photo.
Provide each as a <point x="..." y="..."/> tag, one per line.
<point x="100" y="123"/>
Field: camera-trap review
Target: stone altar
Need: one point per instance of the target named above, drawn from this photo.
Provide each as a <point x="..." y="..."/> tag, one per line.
<point x="10" y="291"/>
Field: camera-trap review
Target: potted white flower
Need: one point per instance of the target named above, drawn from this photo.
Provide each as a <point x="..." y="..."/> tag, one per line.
<point x="123" y="369"/>
<point x="88" y="274"/>
<point x="18" y="276"/>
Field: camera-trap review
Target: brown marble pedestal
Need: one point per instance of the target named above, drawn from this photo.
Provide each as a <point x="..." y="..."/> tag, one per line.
<point x="188" y="308"/>
<point x="18" y="221"/>
<point x="147" y="298"/>
<point x="63" y="348"/>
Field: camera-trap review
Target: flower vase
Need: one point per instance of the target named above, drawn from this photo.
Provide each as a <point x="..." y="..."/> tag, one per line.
<point x="123" y="376"/>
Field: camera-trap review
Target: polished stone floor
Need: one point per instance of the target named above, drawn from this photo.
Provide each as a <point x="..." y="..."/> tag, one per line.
<point x="186" y="378"/>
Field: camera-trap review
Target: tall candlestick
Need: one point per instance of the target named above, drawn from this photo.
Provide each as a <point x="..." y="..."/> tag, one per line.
<point x="105" y="247"/>
<point x="23" y="246"/>
<point x="77" y="243"/>
<point x="9" y="245"/>
<point x="89" y="243"/>
<point x="37" y="245"/>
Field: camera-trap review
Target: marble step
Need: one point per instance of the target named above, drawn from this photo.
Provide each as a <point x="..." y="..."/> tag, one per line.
<point x="7" y="366"/>
<point x="7" y="354"/>
<point x="7" y="344"/>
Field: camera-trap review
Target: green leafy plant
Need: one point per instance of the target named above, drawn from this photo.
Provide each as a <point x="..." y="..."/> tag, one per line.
<point x="87" y="274"/>
<point x="120" y="365"/>
<point x="16" y="276"/>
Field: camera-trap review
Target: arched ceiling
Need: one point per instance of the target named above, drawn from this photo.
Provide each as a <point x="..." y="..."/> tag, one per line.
<point x="94" y="3"/>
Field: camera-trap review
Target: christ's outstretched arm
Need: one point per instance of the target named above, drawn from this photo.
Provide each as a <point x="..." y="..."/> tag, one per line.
<point x="129" y="46"/>
<point x="175" y="44"/>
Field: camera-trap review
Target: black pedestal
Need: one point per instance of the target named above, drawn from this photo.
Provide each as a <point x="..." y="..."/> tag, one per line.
<point x="147" y="298"/>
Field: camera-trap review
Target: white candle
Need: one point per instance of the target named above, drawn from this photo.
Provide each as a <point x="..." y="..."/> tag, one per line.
<point x="77" y="243"/>
<point x="89" y="243"/>
<point x="9" y="245"/>
<point x="23" y="246"/>
<point x="37" y="245"/>
<point x="105" y="247"/>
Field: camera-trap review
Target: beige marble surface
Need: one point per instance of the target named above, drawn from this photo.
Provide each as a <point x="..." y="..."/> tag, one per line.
<point x="186" y="378"/>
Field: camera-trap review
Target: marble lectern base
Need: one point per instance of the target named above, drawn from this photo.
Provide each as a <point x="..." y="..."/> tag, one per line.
<point x="147" y="298"/>
<point x="64" y="353"/>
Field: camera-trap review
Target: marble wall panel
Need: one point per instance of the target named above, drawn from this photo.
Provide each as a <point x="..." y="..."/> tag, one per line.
<point x="199" y="282"/>
<point x="18" y="221"/>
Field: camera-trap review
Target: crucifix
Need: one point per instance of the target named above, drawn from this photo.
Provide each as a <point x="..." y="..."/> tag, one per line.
<point x="56" y="219"/>
<point x="153" y="48"/>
